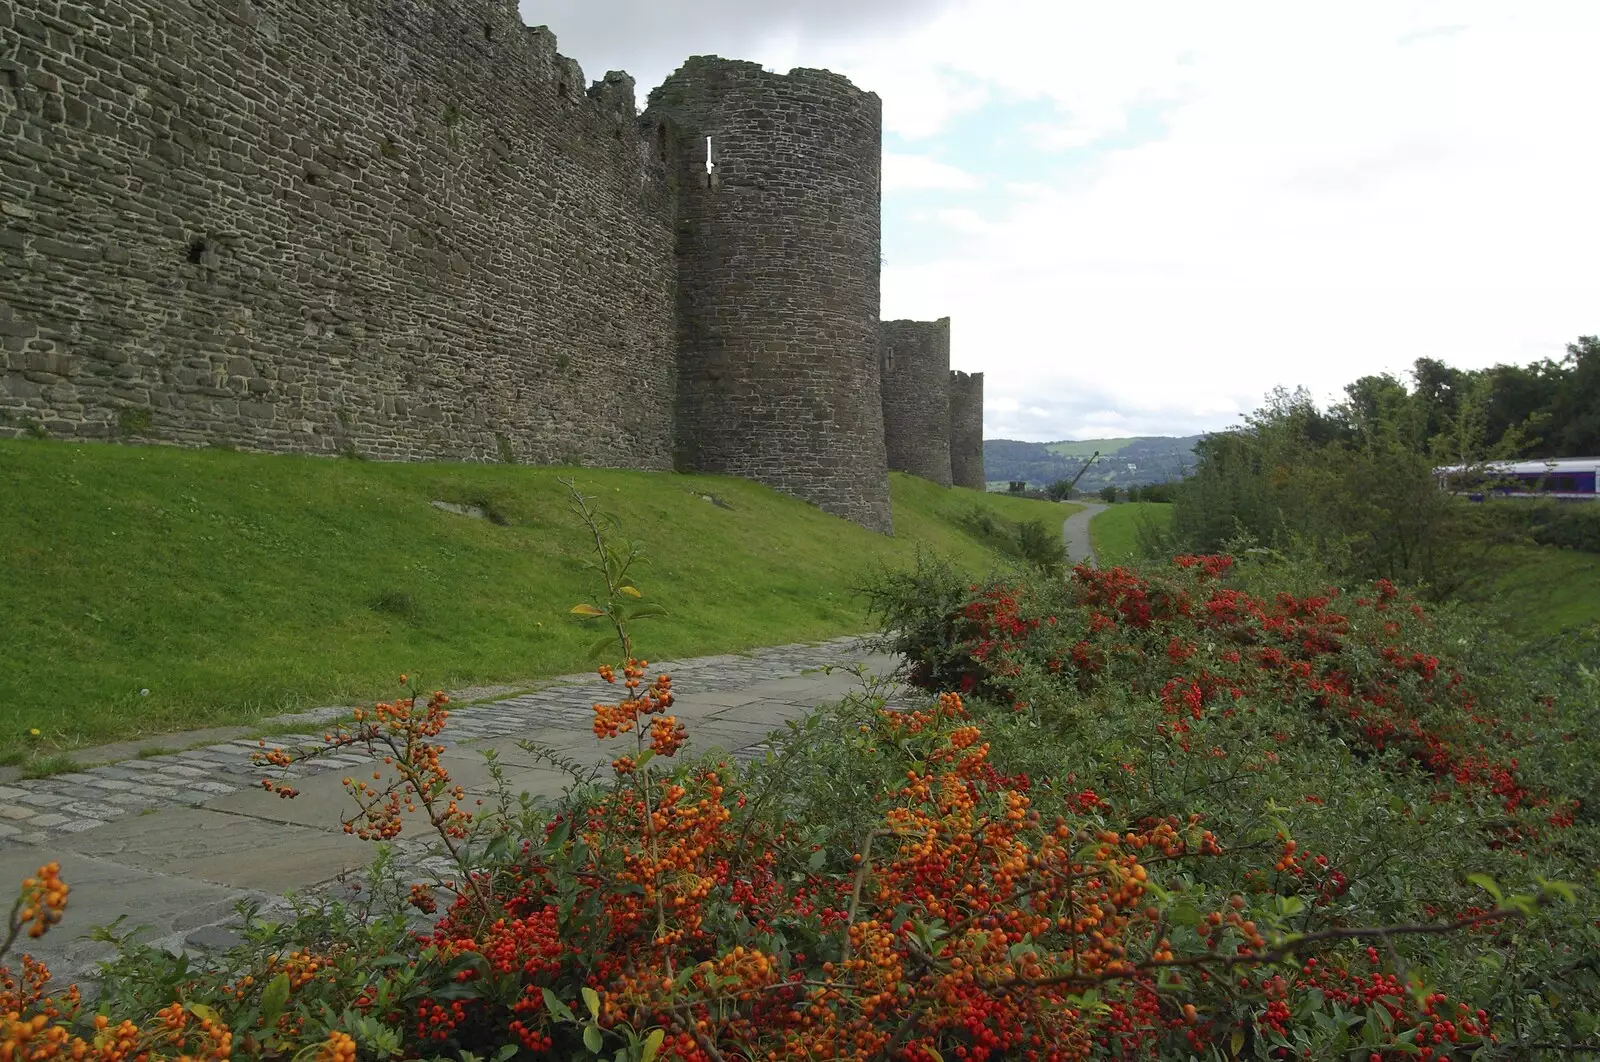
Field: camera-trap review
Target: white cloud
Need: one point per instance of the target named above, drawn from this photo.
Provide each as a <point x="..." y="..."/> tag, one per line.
<point x="1061" y="136"/>
<point x="964" y="219"/>
<point x="1335" y="190"/>
<point x="1335" y="195"/>
<point x="912" y="172"/>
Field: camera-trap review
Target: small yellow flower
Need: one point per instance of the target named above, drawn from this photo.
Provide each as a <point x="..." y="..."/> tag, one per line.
<point x="34" y="732"/>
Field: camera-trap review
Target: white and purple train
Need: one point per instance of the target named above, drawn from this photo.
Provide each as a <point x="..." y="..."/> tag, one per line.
<point x="1563" y="478"/>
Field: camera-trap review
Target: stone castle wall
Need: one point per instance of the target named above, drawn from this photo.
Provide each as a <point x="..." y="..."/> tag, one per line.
<point x="966" y="430"/>
<point x="396" y="227"/>
<point x="778" y="361"/>
<point x="915" y="359"/>
<point x="405" y="229"/>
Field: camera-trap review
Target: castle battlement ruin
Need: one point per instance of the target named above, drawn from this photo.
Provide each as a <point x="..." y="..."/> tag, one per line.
<point x="406" y="229"/>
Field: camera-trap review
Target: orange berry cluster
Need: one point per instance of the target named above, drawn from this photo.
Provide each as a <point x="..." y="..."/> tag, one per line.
<point x="610" y="720"/>
<point x="35" y="1027"/>
<point x="43" y="900"/>
<point x="338" y="1048"/>
<point x="398" y="733"/>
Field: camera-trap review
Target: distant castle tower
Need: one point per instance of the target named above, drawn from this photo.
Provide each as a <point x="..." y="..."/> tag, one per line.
<point x="778" y="259"/>
<point x="916" y="397"/>
<point x="966" y="430"/>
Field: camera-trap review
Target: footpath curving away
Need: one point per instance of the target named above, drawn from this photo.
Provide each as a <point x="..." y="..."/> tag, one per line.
<point x="1075" y="532"/>
<point x="173" y="842"/>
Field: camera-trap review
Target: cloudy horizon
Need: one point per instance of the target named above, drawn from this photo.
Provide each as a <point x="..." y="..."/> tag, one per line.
<point x="1142" y="218"/>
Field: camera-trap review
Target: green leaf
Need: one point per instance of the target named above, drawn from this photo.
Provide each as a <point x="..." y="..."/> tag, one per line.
<point x="1559" y="888"/>
<point x="557" y="1009"/>
<point x="1525" y="904"/>
<point x="601" y="647"/>
<point x="205" y="1013"/>
<point x="587" y="610"/>
<point x="652" y="1044"/>
<point x="817" y="858"/>
<point x="1236" y="1043"/>
<point x="1487" y="884"/>
<point x="591" y="999"/>
<point x="592" y="1038"/>
<point x="1184" y="914"/>
<point x="274" y="997"/>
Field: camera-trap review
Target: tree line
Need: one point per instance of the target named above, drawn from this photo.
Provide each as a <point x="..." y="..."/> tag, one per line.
<point x="1355" y="482"/>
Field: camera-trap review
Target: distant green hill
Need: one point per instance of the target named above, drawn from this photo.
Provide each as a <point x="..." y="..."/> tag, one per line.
<point x="1122" y="462"/>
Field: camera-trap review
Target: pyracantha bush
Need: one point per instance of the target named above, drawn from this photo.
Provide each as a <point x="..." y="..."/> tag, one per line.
<point x="1156" y="817"/>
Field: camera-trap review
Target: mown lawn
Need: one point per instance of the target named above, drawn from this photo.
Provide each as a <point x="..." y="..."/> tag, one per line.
<point x="1115" y="532"/>
<point x="153" y="589"/>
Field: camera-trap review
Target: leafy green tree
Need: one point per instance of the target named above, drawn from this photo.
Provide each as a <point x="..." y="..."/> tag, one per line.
<point x="1439" y="389"/>
<point x="1575" y="408"/>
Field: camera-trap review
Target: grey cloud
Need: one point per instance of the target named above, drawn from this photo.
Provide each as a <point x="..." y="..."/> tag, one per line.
<point x="651" y="39"/>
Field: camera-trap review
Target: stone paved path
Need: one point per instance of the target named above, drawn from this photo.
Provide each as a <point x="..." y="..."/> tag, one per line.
<point x="1076" y="533"/>
<point x="175" y="841"/>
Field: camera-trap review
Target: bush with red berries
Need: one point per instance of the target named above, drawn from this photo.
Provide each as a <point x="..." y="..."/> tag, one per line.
<point x="1195" y="812"/>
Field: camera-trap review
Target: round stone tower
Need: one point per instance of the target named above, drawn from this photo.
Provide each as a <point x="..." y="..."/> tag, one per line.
<point x="778" y="257"/>
<point x="966" y="430"/>
<point x="916" y="397"/>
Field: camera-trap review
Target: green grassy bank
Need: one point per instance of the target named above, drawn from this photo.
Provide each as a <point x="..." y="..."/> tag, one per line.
<point x="1114" y="534"/>
<point x="1541" y="591"/>
<point x="232" y="586"/>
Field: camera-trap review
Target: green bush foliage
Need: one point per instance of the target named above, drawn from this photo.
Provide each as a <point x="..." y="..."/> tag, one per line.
<point x="1217" y="810"/>
<point x="1356" y="490"/>
<point x="1570" y="525"/>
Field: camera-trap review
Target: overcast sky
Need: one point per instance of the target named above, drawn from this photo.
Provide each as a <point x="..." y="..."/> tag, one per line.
<point x="1142" y="216"/>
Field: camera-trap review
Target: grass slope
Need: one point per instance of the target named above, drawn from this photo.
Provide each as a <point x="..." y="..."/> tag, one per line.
<point x="1541" y="591"/>
<point x="1087" y="447"/>
<point x="1114" y="534"/>
<point x="231" y="586"/>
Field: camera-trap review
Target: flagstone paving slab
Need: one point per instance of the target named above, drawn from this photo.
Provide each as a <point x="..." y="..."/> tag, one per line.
<point x="213" y="846"/>
<point x="322" y="804"/>
<point x="103" y="890"/>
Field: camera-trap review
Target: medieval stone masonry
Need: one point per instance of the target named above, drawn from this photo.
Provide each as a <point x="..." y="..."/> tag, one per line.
<point x="966" y="430"/>
<point x="406" y="229"/>
<point x="916" y="397"/>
